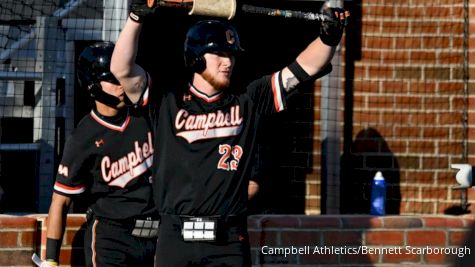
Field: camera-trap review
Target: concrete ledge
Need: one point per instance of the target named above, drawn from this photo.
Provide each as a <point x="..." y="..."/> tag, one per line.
<point x="337" y="240"/>
<point x="290" y="240"/>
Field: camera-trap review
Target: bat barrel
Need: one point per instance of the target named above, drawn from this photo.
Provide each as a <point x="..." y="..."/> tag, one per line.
<point x="227" y="9"/>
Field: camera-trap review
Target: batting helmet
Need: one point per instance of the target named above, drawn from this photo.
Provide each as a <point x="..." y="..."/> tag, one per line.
<point x="94" y="67"/>
<point x="209" y="36"/>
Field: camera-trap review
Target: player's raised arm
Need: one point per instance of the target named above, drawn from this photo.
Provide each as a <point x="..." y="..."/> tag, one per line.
<point x="130" y="75"/>
<point x="315" y="59"/>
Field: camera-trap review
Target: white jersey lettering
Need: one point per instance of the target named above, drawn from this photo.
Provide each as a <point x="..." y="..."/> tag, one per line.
<point x="206" y="126"/>
<point x="129" y="167"/>
<point x="63" y="170"/>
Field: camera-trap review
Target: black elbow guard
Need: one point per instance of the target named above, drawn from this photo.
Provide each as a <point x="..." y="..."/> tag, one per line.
<point x="302" y="76"/>
<point x="327" y="69"/>
<point x="298" y="71"/>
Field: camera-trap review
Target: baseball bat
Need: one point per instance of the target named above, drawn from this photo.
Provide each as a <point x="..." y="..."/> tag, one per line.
<point x="36" y="260"/>
<point x="216" y="10"/>
<point x="275" y="12"/>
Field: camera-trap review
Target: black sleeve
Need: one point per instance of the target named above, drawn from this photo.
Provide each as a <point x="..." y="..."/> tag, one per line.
<point x="267" y="94"/>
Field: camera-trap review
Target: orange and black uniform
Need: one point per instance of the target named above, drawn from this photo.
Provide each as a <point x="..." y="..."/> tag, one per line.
<point x="204" y="153"/>
<point x="110" y="158"/>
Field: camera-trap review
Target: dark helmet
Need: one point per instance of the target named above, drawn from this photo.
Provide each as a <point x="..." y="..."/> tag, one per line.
<point x="93" y="67"/>
<point x="209" y="36"/>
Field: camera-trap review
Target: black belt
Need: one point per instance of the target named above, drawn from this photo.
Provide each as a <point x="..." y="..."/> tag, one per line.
<point x="223" y="221"/>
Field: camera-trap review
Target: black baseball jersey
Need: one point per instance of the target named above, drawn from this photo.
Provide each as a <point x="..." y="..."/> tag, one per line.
<point x="205" y="146"/>
<point x="112" y="160"/>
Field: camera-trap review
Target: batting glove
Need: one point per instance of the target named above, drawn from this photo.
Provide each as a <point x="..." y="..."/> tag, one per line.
<point x="142" y="9"/>
<point x="333" y="24"/>
<point x="49" y="263"/>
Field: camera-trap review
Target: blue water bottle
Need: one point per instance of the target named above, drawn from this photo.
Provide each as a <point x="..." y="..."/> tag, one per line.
<point x="378" y="195"/>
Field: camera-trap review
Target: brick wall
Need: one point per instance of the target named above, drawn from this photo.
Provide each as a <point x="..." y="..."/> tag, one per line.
<point x="21" y="236"/>
<point x="402" y="101"/>
<point x="471" y="84"/>
<point x="72" y="246"/>
<point x="408" y="108"/>
<point x="17" y="240"/>
<point x="402" y="110"/>
<point x="324" y="240"/>
<point x="471" y="90"/>
<point x="405" y="235"/>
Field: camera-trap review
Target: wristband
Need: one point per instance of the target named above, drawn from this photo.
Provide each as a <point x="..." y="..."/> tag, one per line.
<point x="135" y="17"/>
<point x="52" y="249"/>
<point x="51" y="262"/>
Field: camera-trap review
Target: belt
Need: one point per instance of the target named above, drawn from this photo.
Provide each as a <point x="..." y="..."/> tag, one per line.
<point x="206" y="228"/>
<point x="223" y="221"/>
<point x="143" y="226"/>
<point x="146" y="228"/>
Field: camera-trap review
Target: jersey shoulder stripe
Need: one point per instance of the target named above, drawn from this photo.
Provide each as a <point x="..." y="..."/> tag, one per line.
<point x="69" y="190"/>
<point x="277" y="91"/>
<point x="144" y="98"/>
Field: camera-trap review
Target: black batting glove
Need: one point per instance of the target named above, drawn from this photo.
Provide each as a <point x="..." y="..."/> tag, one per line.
<point x="142" y="9"/>
<point x="333" y="24"/>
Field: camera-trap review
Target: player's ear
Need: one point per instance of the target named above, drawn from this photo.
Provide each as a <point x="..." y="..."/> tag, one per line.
<point x="94" y="89"/>
<point x="196" y="64"/>
<point x="200" y="64"/>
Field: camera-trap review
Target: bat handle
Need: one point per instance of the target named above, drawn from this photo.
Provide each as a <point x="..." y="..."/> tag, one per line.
<point x="36" y="260"/>
<point x="181" y="4"/>
<point x="282" y="13"/>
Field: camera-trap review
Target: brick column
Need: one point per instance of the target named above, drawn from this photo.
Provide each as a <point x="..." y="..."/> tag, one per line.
<point x="471" y="92"/>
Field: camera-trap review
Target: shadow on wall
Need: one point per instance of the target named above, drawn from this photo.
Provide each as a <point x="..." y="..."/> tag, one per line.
<point x="368" y="154"/>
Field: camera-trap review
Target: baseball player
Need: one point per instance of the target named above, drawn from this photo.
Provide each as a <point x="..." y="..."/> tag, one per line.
<point x="109" y="156"/>
<point x="207" y="134"/>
